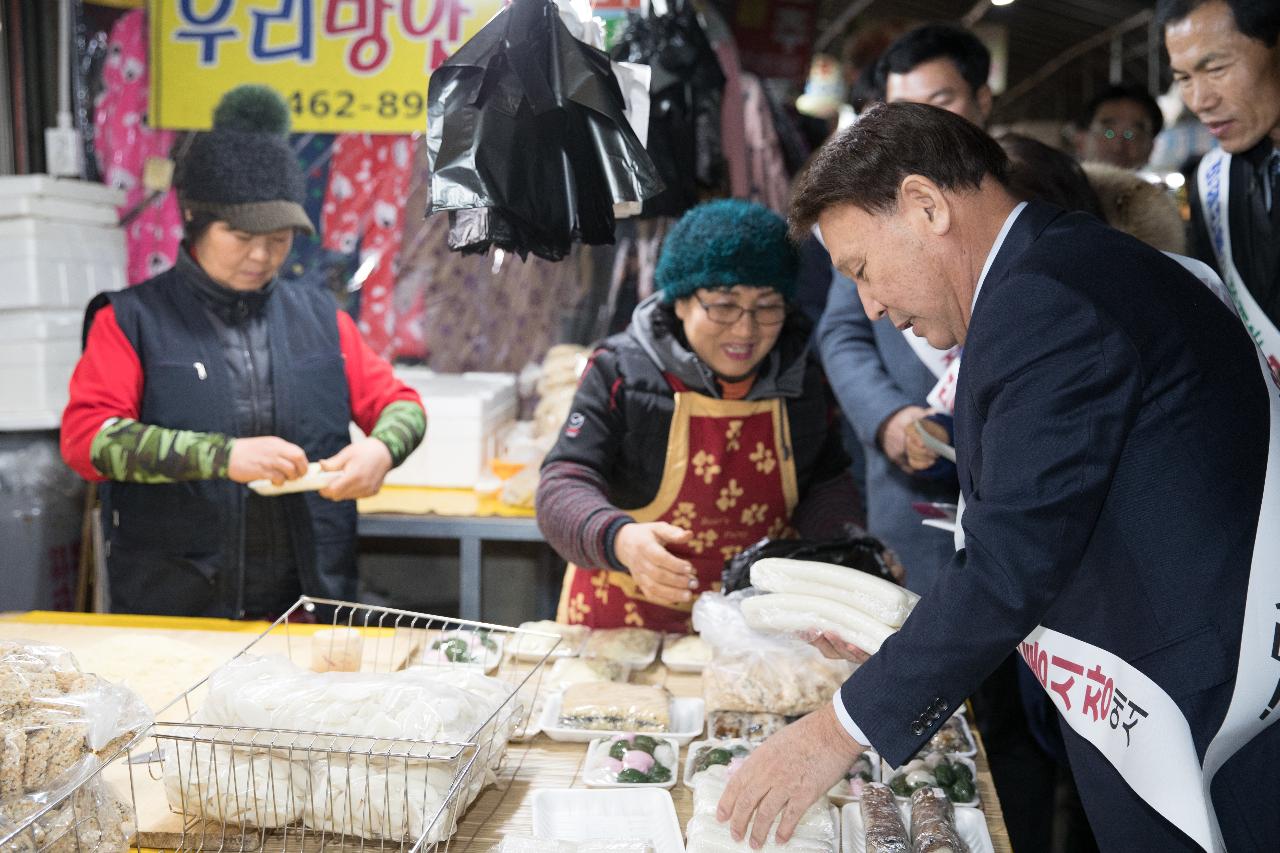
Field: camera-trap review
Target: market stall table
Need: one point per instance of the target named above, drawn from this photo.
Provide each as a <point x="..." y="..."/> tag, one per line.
<point x="420" y="513"/>
<point x="502" y="809"/>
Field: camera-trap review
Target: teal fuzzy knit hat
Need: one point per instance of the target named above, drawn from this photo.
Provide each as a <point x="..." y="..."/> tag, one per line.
<point x="726" y="242"/>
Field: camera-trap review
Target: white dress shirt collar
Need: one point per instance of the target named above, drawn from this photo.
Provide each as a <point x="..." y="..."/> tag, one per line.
<point x="995" y="250"/>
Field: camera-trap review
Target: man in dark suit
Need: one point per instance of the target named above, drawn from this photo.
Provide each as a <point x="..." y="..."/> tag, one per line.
<point x="879" y="378"/>
<point x="1114" y="427"/>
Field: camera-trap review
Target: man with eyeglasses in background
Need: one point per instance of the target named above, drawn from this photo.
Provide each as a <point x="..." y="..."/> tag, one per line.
<point x="1226" y="61"/>
<point x="1119" y="128"/>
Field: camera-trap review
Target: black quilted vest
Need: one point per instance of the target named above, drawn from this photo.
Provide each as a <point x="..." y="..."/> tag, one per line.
<point x="180" y="548"/>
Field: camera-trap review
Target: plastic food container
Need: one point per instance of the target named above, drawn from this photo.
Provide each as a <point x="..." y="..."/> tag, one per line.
<point x="607" y="759"/>
<point x="970" y="823"/>
<point x="623" y="814"/>
<point x="686" y="722"/>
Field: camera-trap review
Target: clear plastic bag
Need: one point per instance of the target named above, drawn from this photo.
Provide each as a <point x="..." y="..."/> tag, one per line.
<point x="335" y="784"/>
<point x="57" y="726"/>
<point x="755" y="673"/>
<point x="816" y="831"/>
<point x="86" y="815"/>
<point x="616" y="707"/>
<point x="414" y="704"/>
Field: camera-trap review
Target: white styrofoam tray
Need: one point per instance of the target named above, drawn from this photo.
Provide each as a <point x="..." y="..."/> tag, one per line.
<point x="594" y="773"/>
<point x="434" y="658"/>
<point x="970" y="823"/>
<point x="686" y="722"/>
<point x="619" y="814"/>
<point x="530" y="649"/>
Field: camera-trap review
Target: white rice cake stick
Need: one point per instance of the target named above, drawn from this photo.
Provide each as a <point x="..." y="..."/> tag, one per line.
<point x="791" y="613"/>
<point x="877" y="597"/>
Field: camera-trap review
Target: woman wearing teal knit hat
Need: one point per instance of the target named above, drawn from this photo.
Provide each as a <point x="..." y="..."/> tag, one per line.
<point x="704" y="427"/>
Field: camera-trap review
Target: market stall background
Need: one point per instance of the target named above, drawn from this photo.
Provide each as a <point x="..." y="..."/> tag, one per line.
<point x="355" y="76"/>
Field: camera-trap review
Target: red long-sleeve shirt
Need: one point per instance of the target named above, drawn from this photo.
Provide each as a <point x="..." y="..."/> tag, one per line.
<point x="107" y="383"/>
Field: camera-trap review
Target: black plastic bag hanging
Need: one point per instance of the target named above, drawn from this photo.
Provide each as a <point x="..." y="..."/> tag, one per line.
<point x="528" y="143"/>
<point x="859" y="551"/>
<point x="684" y="106"/>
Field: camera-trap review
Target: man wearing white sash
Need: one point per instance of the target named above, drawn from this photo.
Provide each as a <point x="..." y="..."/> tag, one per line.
<point x="1118" y="442"/>
<point x="1225" y="56"/>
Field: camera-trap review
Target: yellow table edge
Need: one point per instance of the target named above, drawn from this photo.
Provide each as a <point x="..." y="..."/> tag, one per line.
<point x="128" y="620"/>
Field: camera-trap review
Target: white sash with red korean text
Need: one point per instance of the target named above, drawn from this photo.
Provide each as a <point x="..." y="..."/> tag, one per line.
<point x="942" y="363"/>
<point x="1131" y="720"/>
<point x="1137" y="726"/>
<point x="1214" y="179"/>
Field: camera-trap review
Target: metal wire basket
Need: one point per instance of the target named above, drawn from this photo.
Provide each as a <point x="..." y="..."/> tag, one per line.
<point x="241" y="787"/>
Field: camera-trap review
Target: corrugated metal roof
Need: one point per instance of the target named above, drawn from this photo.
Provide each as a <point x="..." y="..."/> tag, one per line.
<point x="1041" y="35"/>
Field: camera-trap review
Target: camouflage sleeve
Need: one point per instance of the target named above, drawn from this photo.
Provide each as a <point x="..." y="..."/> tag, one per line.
<point x="133" y="452"/>
<point x="401" y="426"/>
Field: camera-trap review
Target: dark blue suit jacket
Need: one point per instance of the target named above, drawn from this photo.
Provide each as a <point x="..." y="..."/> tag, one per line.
<point x="874" y="373"/>
<point x="1111" y="430"/>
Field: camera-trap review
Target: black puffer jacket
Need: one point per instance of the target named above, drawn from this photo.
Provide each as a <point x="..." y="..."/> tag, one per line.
<point x="610" y="454"/>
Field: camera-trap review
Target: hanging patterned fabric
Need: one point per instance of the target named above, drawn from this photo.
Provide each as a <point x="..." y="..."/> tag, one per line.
<point x="123" y="142"/>
<point x="463" y="315"/>
<point x="767" y="170"/>
<point x="369" y="180"/>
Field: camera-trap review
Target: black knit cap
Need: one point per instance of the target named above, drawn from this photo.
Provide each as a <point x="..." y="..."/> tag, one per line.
<point x="243" y="171"/>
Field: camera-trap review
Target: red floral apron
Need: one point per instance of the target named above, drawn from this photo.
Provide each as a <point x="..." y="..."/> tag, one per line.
<point x="729" y="477"/>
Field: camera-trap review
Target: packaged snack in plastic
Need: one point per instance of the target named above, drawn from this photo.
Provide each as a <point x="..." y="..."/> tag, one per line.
<point x="882" y="821"/>
<point x="78" y="812"/>
<point x="755" y="673"/>
<point x="583" y="671"/>
<point x="635" y="647"/>
<point x="933" y="823"/>
<point x="332" y="782"/>
<point x="616" y="707"/>
<point x="748" y="725"/>
<point x="631" y="759"/>
<point x="57" y="726"/>
<point x="817" y="830"/>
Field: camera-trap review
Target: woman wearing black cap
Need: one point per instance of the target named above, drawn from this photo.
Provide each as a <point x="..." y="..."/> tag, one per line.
<point x="215" y="374"/>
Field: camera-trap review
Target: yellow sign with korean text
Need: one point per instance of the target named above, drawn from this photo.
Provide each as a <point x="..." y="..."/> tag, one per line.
<point x="342" y="65"/>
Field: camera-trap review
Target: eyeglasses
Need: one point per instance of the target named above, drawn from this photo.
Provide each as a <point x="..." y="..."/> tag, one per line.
<point x="1128" y="134"/>
<point x="728" y="313"/>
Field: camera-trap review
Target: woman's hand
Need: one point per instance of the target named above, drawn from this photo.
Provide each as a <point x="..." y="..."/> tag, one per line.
<point x="265" y="458"/>
<point x="363" y="464"/>
<point x="663" y="577"/>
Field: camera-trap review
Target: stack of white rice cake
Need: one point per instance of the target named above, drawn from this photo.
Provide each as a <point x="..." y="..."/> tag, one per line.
<point x="803" y="596"/>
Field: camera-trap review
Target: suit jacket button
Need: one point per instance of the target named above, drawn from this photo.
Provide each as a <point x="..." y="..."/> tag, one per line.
<point x="917" y="728"/>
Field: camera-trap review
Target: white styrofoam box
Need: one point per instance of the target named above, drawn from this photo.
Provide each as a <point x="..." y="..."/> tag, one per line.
<point x="465" y="415"/>
<point x="38" y="352"/>
<point x="50" y="264"/>
<point x="62" y="199"/>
